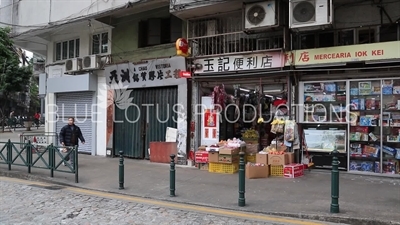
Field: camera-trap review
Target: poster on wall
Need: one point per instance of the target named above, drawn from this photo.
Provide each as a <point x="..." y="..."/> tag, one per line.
<point x="209" y="123"/>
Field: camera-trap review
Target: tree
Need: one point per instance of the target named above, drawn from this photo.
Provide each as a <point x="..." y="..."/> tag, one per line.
<point x="13" y="77"/>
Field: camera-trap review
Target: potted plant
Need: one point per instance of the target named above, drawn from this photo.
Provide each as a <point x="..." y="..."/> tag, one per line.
<point x="28" y="121"/>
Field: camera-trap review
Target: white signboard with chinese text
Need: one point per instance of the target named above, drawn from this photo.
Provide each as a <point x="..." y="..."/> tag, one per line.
<point x="235" y="63"/>
<point x="153" y="73"/>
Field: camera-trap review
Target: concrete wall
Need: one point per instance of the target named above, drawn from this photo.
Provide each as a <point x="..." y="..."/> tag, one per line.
<point x="126" y="36"/>
<point x="6" y="9"/>
<point x="364" y="13"/>
<point x="56" y="11"/>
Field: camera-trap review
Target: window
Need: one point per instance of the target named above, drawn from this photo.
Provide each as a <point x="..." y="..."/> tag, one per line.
<point x="100" y="43"/>
<point x="366" y="36"/>
<point x="307" y="41"/>
<point x="67" y="49"/>
<point x="345" y="37"/>
<point x="326" y="39"/>
<point x="157" y="31"/>
<point x="388" y="32"/>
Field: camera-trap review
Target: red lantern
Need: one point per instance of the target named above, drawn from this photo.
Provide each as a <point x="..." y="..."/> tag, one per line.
<point x="182" y="47"/>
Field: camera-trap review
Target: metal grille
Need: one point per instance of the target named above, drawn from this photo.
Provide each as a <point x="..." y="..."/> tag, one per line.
<point x="79" y="106"/>
<point x="223" y="34"/>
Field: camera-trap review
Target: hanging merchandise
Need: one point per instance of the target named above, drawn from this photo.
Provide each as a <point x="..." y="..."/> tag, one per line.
<point x="281" y="126"/>
<point x="219" y="97"/>
<point x="274" y="126"/>
<point x="289" y="130"/>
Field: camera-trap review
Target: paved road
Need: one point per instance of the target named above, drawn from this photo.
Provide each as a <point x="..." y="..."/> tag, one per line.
<point x="26" y="202"/>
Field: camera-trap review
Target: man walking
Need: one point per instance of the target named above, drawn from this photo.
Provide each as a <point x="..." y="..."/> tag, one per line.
<point x="69" y="136"/>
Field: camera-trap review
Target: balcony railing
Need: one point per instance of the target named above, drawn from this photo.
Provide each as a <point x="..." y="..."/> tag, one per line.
<point x="224" y="34"/>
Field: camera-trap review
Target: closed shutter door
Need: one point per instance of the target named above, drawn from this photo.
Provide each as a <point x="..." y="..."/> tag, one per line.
<point x="79" y="106"/>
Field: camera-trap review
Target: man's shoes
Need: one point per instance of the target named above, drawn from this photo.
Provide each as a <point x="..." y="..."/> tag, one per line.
<point x="64" y="164"/>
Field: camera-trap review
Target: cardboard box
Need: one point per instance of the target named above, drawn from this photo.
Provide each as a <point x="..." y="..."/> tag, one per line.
<point x="228" y="151"/>
<point x="262" y="158"/>
<point x="213" y="157"/>
<point x="276" y="160"/>
<point x="289" y="157"/>
<point x="202" y="148"/>
<point x="203" y="166"/>
<point x="293" y="170"/>
<point x="254" y="172"/>
<point x="228" y="158"/>
<point x="201" y="157"/>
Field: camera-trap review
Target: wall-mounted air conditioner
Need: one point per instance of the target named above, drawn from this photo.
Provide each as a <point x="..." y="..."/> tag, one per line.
<point x="91" y="62"/>
<point x="260" y="15"/>
<point x="72" y="65"/>
<point x="310" y="14"/>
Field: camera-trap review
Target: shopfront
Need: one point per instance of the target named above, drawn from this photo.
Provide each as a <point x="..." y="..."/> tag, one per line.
<point x="234" y="92"/>
<point x="353" y="105"/>
<point x="144" y="99"/>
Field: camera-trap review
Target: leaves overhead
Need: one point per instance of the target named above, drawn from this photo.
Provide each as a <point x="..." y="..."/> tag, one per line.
<point x="13" y="77"/>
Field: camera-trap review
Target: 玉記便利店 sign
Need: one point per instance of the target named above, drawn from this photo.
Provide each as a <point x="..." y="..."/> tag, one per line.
<point x="344" y="54"/>
<point x="245" y="62"/>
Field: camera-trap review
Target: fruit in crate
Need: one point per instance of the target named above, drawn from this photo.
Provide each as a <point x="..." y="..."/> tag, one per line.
<point x="250" y="134"/>
<point x="222" y="143"/>
<point x="273" y="151"/>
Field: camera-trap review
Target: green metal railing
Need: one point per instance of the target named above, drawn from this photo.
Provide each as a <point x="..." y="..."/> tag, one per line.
<point x="30" y="155"/>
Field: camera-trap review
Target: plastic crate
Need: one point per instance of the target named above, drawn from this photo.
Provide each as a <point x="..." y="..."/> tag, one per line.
<point x="223" y="168"/>
<point x="276" y="171"/>
<point x="251" y="158"/>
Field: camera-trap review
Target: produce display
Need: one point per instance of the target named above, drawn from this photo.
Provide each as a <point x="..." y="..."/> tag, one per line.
<point x="250" y="134"/>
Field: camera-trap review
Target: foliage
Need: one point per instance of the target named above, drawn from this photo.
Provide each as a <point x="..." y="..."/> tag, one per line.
<point x="34" y="96"/>
<point x="13" y="77"/>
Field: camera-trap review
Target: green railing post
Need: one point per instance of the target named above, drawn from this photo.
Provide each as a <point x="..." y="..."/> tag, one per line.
<point x="121" y="170"/>
<point x="335" y="182"/>
<point x="242" y="181"/>
<point x="9" y="154"/>
<point x="29" y="155"/>
<point x="76" y="170"/>
<point x="172" y="176"/>
<point x="52" y="156"/>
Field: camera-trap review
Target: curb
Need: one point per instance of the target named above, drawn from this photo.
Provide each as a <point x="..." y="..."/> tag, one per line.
<point x="323" y="218"/>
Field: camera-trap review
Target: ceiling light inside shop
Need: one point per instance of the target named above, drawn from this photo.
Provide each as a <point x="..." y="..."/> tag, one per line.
<point x="246" y="90"/>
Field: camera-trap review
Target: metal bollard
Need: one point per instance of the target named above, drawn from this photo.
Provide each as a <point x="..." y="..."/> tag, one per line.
<point x="335" y="182"/>
<point x="172" y="176"/>
<point x="242" y="200"/>
<point x="121" y="170"/>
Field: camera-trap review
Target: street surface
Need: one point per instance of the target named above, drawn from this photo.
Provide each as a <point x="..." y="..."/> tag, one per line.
<point x="28" y="202"/>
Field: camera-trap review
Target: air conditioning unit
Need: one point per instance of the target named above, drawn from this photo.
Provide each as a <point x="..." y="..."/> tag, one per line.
<point x="260" y="14"/>
<point x="72" y="65"/>
<point x="91" y="62"/>
<point x="310" y="14"/>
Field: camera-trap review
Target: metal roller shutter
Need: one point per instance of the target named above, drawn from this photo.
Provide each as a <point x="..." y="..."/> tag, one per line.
<point x="79" y="106"/>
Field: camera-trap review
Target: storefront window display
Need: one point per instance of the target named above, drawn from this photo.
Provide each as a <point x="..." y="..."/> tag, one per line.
<point x="374" y="127"/>
<point x="370" y="109"/>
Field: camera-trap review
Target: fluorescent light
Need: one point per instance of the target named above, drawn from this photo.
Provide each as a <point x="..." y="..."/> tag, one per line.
<point x="246" y="90"/>
<point x="269" y="96"/>
<point x="272" y="91"/>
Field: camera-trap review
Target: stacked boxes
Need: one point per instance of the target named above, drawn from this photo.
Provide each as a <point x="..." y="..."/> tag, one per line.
<point x="226" y="160"/>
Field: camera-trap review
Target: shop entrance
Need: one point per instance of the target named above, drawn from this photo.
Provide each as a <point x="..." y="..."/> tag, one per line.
<point x="146" y="120"/>
<point x="242" y="102"/>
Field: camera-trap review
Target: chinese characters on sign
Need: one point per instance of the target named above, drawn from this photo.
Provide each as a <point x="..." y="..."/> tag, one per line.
<point x="240" y="62"/>
<point x="153" y="73"/>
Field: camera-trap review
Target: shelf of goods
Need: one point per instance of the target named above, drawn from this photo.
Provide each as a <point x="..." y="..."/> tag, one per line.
<point x="375" y="126"/>
<point x="324" y="122"/>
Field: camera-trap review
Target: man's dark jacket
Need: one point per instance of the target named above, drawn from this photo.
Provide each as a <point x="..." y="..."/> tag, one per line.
<point x="70" y="136"/>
